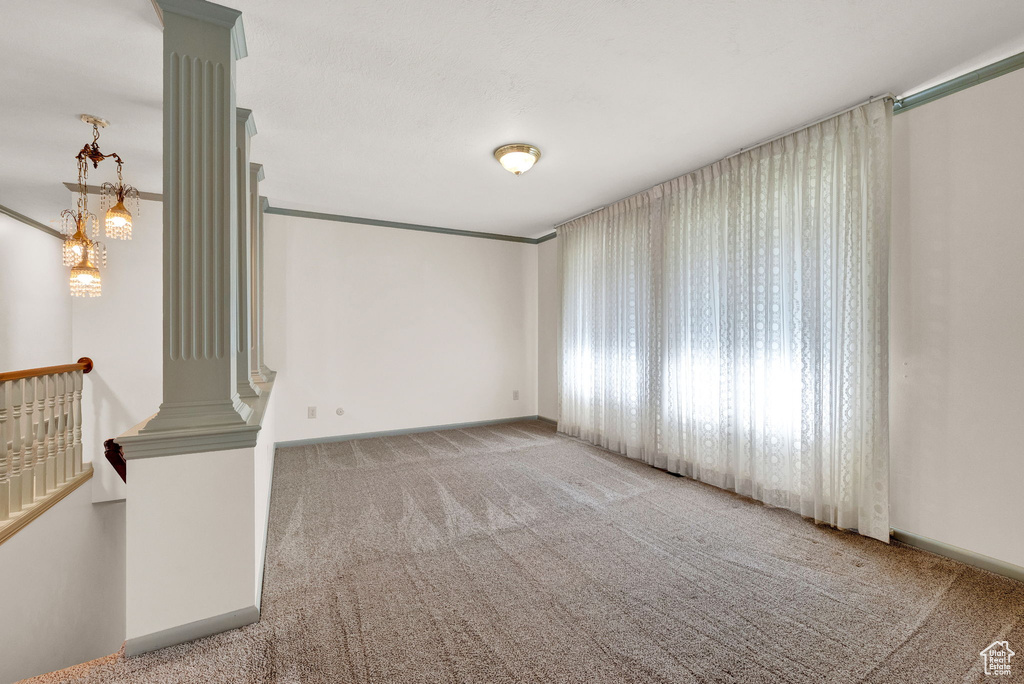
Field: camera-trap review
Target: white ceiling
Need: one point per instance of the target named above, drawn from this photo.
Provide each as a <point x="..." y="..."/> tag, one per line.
<point x="391" y="110"/>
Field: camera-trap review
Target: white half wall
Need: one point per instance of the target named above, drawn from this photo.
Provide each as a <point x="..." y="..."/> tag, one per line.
<point x="196" y="540"/>
<point x="35" y="306"/>
<point x="399" y="328"/>
<point x="957" y="320"/>
<point x="122" y="332"/>
<point x="549" y="315"/>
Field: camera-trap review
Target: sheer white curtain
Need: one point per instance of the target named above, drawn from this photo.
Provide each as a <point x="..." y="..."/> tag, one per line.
<point x="731" y="324"/>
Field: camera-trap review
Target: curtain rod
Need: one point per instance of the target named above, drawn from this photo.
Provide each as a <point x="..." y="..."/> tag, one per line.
<point x="887" y="96"/>
<point x="876" y="98"/>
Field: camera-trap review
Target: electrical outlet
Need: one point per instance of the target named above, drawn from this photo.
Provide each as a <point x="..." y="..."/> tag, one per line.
<point x="311" y="412"/>
<point x="515" y="395"/>
<point x="340" y="411"/>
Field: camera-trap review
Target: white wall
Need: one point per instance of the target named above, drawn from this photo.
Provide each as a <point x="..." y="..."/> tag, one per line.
<point x="35" y="307"/>
<point x="63" y="574"/>
<point x="400" y="328"/>
<point x="63" y="588"/>
<point x="957" y="320"/>
<point x="121" y="331"/>
<point x="69" y="565"/>
<point x="41" y="324"/>
<point x="549" y="311"/>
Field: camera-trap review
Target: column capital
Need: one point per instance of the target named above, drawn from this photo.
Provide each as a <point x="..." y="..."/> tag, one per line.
<point x="246" y="120"/>
<point x="210" y="13"/>
<point x="257" y="171"/>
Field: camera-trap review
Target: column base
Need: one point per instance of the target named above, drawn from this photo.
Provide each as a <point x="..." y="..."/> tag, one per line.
<point x="242" y="408"/>
<point x="263" y="374"/>
<point x="196" y="428"/>
<point x="248" y="389"/>
<point x="199" y="415"/>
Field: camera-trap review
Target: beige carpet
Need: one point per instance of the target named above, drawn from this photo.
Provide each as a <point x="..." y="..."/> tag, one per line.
<point x="512" y="554"/>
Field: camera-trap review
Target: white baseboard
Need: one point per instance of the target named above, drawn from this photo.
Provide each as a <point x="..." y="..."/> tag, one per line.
<point x="404" y="431"/>
<point x="266" y="534"/>
<point x="963" y="555"/>
<point x="192" y="631"/>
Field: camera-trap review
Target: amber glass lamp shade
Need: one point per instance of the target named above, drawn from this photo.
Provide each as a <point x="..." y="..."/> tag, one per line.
<point x="119" y="222"/>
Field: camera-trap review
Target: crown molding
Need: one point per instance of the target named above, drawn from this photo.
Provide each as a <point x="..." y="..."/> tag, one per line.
<point x="265" y="204"/>
<point x="339" y="218"/>
<point x="96" y="190"/>
<point x="210" y="12"/>
<point x="7" y="211"/>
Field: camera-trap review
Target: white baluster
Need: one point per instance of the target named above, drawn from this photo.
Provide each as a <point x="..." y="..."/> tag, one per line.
<point x="28" y="453"/>
<point x="5" y="475"/>
<point x="62" y="474"/>
<point x="62" y="425"/>
<point x="15" y="423"/>
<point x="69" y="438"/>
<point x="54" y="472"/>
<point x="79" y="377"/>
<point x="39" y="464"/>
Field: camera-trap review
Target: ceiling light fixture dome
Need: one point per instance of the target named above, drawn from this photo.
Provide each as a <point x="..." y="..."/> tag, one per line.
<point x="517" y="157"/>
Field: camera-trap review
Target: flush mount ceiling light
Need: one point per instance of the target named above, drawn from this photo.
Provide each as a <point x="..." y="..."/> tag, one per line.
<point x="517" y="157"/>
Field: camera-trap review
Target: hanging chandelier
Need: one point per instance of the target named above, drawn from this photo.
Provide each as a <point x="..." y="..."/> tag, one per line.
<point x="84" y="255"/>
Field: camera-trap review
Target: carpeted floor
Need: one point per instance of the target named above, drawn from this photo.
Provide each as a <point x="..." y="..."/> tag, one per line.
<point x="512" y="554"/>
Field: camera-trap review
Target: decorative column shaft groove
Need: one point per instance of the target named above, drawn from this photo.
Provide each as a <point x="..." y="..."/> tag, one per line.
<point x="198" y="109"/>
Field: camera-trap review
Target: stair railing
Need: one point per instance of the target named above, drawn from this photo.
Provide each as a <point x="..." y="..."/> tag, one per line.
<point x="40" y="441"/>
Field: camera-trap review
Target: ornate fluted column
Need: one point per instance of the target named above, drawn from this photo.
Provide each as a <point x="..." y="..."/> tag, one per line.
<point x="198" y="472"/>
<point x="246" y="128"/>
<point x="256" y="247"/>
<point x="202" y="41"/>
<point x="260" y="370"/>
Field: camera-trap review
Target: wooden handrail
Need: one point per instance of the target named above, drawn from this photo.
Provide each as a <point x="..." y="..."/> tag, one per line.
<point x="84" y="364"/>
